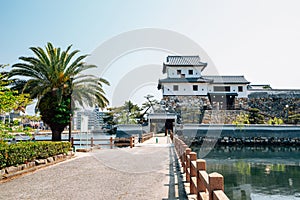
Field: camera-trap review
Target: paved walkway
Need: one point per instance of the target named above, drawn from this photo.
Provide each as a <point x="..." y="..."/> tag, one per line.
<point x="147" y="171"/>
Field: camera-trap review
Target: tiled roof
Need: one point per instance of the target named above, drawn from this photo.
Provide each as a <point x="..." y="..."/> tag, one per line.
<point x="227" y="79"/>
<point x="185" y="60"/>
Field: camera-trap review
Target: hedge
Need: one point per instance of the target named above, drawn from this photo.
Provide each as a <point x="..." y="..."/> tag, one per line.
<point x="20" y="153"/>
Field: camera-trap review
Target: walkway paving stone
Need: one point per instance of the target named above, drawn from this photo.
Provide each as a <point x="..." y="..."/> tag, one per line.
<point x="147" y="171"/>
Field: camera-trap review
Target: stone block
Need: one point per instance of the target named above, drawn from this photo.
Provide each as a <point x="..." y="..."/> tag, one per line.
<point x="40" y="161"/>
<point x="50" y="160"/>
<point x="23" y="166"/>
<point x="19" y="168"/>
<point x="55" y="158"/>
<point x="31" y="164"/>
<point x="11" y="169"/>
<point x="2" y="173"/>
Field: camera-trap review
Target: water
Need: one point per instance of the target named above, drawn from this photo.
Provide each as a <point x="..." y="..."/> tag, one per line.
<point x="257" y="172"/>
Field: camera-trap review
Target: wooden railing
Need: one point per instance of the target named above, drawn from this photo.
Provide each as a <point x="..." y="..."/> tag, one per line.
<point x="145" y="137"/>
<point x="203" y="185"/>
<point x="117" y="142"/>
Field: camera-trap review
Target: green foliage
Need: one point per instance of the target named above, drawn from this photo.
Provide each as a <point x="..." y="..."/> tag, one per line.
<point x="15" y="154"/>
<point x="294" y="118"/>
<point x="55" y="112"/>
<point x="129" y="113"/>
<point x="241" y="120"/>
<point x="275" y="121"/>
<point x="55" y="78"/>
<point x="11" y="99"/>
<point x="4" y="132"/>
<point x="255" y="117"/>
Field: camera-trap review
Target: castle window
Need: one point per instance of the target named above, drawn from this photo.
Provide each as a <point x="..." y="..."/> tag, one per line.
<point x="195" y="87"/>
<point x="175" y="87"/>
<point x="240" y="88"/>
<point x="222" y="88"/>
<point x="191" y="72"/>
<point x="178" y="71"/>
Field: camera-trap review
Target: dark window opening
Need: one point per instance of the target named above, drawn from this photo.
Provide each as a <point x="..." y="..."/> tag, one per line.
<point x="175" y="87"/>
<point x="195" y="87"/>
<point x="240" y="88"/>
<point x="191" y="72"/>
<point x="222" y="88"/>
<point x="178" y="71"/>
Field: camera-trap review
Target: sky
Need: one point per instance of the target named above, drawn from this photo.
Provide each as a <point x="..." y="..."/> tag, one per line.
<point x="255" y="38"/>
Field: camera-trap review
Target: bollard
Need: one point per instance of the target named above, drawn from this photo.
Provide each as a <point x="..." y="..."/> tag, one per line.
<point x="216" y="182"/>
<point x="201" y="166"/>
<point x="156" y="140"/>
<point x="111" y="142"/>
<point x="193" y="173"/>
<point x="187" y="164"/>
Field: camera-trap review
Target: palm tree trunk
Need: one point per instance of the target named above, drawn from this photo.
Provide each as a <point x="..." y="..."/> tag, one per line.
<point x="56" y="132"/>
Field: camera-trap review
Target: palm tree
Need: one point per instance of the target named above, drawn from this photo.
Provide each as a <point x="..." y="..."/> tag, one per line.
<point x="55" y="79"/>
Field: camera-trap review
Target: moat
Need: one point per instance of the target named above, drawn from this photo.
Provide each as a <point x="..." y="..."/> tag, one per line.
<point x="257" y="172"/>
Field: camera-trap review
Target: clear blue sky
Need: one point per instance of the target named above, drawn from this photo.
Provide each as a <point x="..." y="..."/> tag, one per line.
<point x="258" y="39"/>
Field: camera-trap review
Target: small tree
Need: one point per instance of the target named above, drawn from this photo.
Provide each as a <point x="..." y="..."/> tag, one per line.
<point x="255" y="117"/>
<point x="56" y="80"/>
<point x="129" y="113"/>
<point x="9" y="100"/>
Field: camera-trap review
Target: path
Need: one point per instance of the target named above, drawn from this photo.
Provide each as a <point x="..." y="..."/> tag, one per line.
<point x="147" y="171"/>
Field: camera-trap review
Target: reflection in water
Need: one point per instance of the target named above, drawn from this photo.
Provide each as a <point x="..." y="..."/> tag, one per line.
<point x="257" y="172"/>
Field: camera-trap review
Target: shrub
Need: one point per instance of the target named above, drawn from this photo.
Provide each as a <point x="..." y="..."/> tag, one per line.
<point x="15" y="154"/>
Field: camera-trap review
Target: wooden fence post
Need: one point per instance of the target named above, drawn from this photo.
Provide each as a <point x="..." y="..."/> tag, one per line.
<point x="131" y="142"/>
<point x="185" y="147"/>
<point x="201" y="166"/>
<point x="92" y="141"/>
<point x="193" y="173"/>
<point x="111" y="142"/>
<point x="216" y="182"/>
<point x="187" y="164"/>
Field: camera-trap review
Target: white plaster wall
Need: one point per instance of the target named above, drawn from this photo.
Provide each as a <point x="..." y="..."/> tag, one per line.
<point x="184" y="89"/>
<point x="172" y="72"/>
<point x="233" y="89"/>
<point x="203" y="89"/>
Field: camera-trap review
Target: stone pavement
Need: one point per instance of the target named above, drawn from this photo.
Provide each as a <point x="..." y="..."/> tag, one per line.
<point x="147" y="171"/>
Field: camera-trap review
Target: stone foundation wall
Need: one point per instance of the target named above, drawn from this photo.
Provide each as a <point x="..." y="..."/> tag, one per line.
<point x="189" y="108"/>
<point x="276" y="106"/>
<point x="221" y="116"/>
<point x="197" y="109"/>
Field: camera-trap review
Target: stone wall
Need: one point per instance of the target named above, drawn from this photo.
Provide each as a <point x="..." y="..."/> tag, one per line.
<point x="280" y="106"/>
<point x="189" y="108"/>
<point x="197" y="109"/>
<point x="221" y="116"/>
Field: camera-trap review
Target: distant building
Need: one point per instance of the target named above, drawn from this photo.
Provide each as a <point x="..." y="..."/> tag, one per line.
<point x="192" y="96"/>
<point x="95" y="119"/>
<point x="184" y="78"/>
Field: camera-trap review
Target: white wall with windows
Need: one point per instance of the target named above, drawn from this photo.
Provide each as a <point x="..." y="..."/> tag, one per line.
<point x="185" y="89"/>
<point x="184" y="72"/>
<point x="240" y="89"/>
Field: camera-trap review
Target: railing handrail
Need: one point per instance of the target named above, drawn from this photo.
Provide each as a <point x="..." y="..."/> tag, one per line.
<point x="203" y="185"/>
<point x="111" y="141"/>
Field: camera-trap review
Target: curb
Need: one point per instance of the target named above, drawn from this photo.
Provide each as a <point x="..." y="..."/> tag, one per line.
<point x="9" y="173"/>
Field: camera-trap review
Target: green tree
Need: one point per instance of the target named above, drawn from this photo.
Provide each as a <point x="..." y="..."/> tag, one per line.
<point x="129" y="113"/>
<point x="9" y="100"/>
<point x="255" y="117"/>
<point x="55" y="79"/>
<point x="294" y="118"/>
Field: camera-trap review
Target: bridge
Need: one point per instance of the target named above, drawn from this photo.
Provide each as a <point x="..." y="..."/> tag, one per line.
<point x="149" y="170"/>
